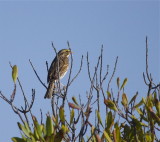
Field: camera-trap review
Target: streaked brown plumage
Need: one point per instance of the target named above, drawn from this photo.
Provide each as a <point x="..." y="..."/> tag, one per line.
<point x="53" y="74"/>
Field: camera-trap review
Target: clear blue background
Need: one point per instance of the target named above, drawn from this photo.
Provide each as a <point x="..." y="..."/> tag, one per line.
<point x="28" y="28"/>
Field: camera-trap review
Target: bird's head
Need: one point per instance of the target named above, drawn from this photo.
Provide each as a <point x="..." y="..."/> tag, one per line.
<point x="64" y="53"/>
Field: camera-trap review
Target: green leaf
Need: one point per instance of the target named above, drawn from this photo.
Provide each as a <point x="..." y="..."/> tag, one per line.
<point x="37" y="127"/>
<point x="49" y="126"/>
<point x="27" y="127"/>
<point x="110" y="104"/>
<point x="149" y="101"/>
<point x="143" y="124"/>
<point x="117" y="132"/>
<point x="155" y="95"/>
<point x="56" y="119"/>
<point x="134" y="98"/>
<point x="154" y="116"/>
<point x="139" y="104"/>
<point x="141" y="114"/>
<point x="124" y="100"/>
<point x="43" y="127"/>
<point x="23" y="137"/>
<point x="61" y="114"/>
<point x="118" y="82"/>
<point x="32" y="139"/>
<point x="108" y="94"/>
<point x="144" y="100"/>
<point x="74" y="100"/>
<point x="71" y="116"/>
<point x="148" y="138"/>
<point x="99" y="118"/>
<point x="28" y="140"/>
<point x="14" y="73"/>
<point x="16" y="139"/>
<point x="24" y="130"/>
<point x="107" y="136"/>
<point x="92" y="129"/>
<point x="124" y="83"/>
<point x="157" y="105"/>
<point x="64" y="129"/>
<point x="137" y="122"/>
<point x="109" y="120"/>
<point x="36" y="136"/>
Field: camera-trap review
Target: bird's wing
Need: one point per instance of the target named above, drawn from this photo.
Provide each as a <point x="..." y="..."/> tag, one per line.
<point x="51" y="70"/>
<point x="52" y="73"/>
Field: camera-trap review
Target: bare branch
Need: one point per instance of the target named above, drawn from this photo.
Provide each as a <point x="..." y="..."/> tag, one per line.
<point x="41" y="116"/>
<point x="88" y="67"/>
<point x="37" y="75"/>
<point x="156" y="86"/>
<point x="47" y="66"/>
<point x="52" y="105"/>
<point x="77" y="72"/>
<point x="69" y="78"/>
<point x="105" y="76"/>
<point x="13" y="94"/>
<point x="145" y="79"/>
<point x="101" y="63"/>
<point x="113" y="73"/>
<point x="147" y="72"/>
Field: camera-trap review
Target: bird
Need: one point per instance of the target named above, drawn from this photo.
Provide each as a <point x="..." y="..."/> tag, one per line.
<point x="57" y="70"/>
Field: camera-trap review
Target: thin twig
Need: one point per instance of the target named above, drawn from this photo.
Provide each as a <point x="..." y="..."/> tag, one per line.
<point x="13" y="94"/>
<point x="69" y="78"/>
<point x="105" y="76"/>
<point x="88" y="67"/>
<point x="77" y="72"/>
<point x="47" y="66"/>
<point x="52" y="105"/>
<point x="144" y="78"/>
<point x="41" y="116"/>
<point x="147" y="72"/>
<point x="37" y="74"/>
<point x="101" y="63"/>
<point x="112" y="73"/>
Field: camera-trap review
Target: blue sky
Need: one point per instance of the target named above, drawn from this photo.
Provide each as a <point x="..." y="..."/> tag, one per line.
<point x="28" y="28"/>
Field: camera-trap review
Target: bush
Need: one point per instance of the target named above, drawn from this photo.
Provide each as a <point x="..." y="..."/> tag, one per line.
<point x="126" y="121"/>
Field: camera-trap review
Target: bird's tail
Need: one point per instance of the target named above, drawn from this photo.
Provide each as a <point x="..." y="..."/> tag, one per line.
<point x="50" y="90"/>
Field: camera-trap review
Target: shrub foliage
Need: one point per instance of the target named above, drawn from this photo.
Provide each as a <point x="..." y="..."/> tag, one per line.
<point x="104" y="117"/>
